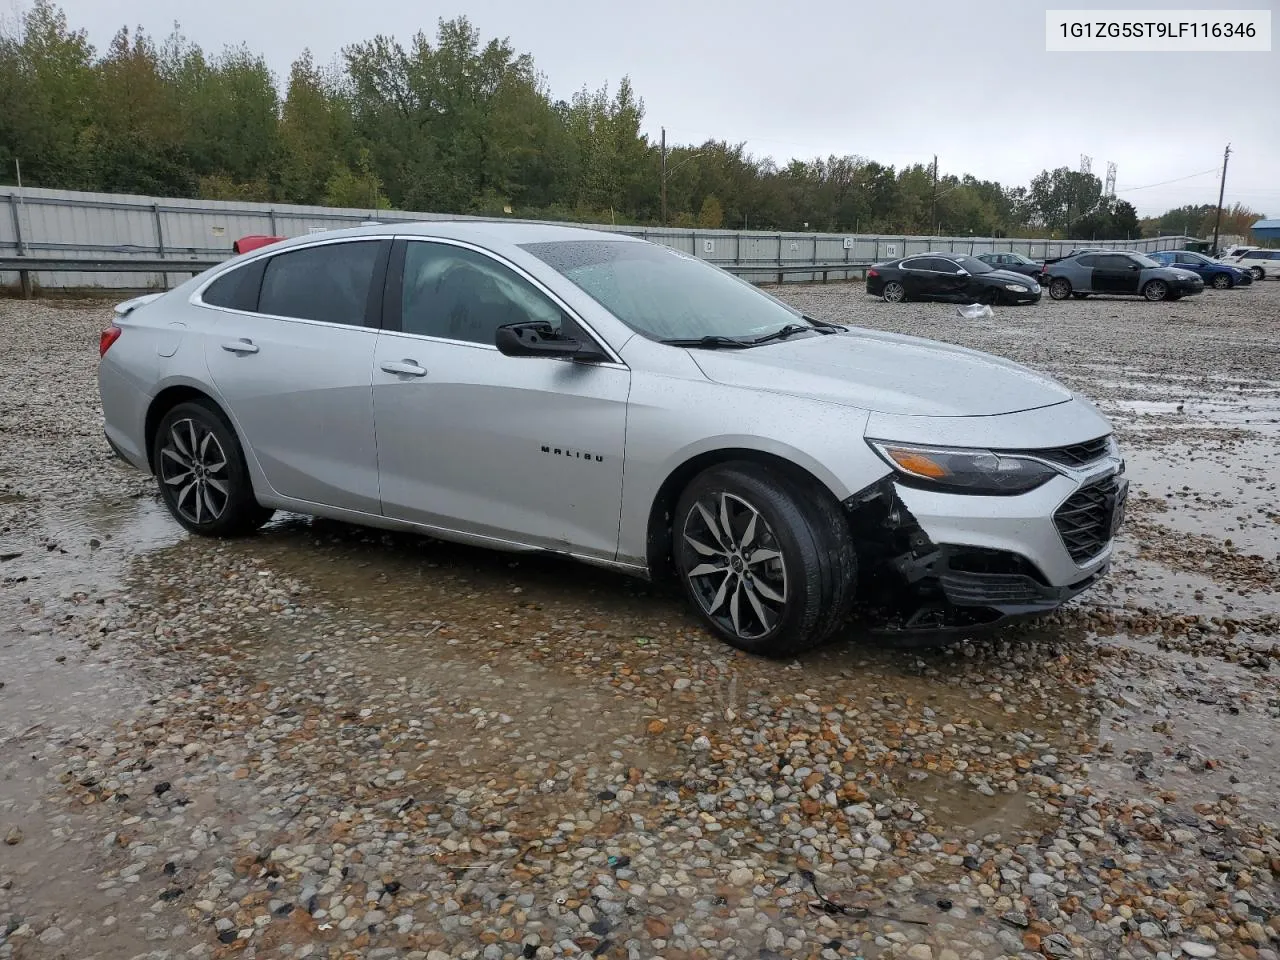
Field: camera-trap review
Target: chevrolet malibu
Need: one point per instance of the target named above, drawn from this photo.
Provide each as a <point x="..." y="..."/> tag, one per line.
<point x="536" y="388"/>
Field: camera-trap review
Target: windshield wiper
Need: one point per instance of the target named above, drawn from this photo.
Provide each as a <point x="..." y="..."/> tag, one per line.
<point x="825" y="326"/>
<point x="790" y="330"/>
<point x="709" y="342"/>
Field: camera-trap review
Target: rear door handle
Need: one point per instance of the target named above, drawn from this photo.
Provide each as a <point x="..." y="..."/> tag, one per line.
<point x="406" y="367"/>
<point x="243" y="345"/>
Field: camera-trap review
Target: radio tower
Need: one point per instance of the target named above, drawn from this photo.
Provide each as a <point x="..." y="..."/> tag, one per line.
<point x="1110" y="190"/>
<point x="1086" y="163"/>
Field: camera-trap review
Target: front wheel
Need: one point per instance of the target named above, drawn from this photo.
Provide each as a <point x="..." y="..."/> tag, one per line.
<point x="202" y="474"/>
<point x="1155" y="290"/>
<point x="1059" y="288"/>
<point x="894" y="292"/>
<point x="766" y="560"/>
<point x="1221" y="281"/>
<point x="1258" y="273"/>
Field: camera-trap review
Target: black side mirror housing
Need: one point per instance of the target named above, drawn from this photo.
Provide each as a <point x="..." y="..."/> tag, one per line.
<point x="539" y="339"/>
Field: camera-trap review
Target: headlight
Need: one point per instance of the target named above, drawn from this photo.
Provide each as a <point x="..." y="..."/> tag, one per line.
<point x="963" y="471"/>
<point x="1019" y="288"/>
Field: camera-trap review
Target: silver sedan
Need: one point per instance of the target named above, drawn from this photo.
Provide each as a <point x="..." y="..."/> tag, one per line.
<point x="552" y="389"/>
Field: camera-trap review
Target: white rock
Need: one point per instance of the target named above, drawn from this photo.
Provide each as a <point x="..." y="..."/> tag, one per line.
<point x="1193" y="949"/>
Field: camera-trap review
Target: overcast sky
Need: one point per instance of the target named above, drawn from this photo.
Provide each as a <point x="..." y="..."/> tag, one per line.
<point x="893" y="82"/>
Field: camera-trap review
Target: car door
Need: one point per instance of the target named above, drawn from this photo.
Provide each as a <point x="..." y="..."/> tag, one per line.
<point x="295" y="370"/>
<point x="523" y="449"/>
<point x="1115" y="273"/>
<point x="1193" y="263"/>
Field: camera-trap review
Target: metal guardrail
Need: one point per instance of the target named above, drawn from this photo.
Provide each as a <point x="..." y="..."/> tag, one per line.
<point x="27" y="265"/>
<point x="106" y="265"/>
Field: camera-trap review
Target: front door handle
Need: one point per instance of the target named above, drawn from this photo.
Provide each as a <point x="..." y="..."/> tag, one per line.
<point x="243" y="345"/>
<point x="408" y="368"/>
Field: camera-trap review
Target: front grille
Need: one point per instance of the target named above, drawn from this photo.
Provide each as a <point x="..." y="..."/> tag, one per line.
<point x="1076" y="455"/>
<point x="1084" y="521"/>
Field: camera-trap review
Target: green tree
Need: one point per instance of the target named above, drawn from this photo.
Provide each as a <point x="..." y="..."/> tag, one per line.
<point x="711" y="215"/>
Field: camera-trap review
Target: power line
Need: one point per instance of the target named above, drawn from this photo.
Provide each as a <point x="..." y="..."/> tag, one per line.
<point x="1147" y="186"/>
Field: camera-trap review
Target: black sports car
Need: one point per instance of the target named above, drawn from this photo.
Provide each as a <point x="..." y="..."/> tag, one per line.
<point x="948" y="276"/>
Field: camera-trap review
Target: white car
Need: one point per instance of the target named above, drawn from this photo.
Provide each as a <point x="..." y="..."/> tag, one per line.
<point x="1260" y="263"/>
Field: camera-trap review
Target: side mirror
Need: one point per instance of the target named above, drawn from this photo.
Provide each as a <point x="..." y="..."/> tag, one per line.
<point x="540" y="339"/>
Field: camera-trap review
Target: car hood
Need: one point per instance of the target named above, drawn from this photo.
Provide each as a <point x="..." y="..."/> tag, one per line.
<point x="1006" y="276"/>
<point x="885" y="373"/>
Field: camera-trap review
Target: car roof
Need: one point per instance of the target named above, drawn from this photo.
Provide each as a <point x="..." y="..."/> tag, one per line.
<point x="479" y="231"/>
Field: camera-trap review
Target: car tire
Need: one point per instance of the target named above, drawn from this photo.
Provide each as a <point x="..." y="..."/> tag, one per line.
<point x="894" y="292"/>
<point x="1258" y="273"/>
<point x="1222" y="281"/>
<point x="202" y="475"/>
<point x="1156" y="290"/>
<point x="788" y="558"/>
<point x="1079" y="296"/>
<point x="1059" y="288"/>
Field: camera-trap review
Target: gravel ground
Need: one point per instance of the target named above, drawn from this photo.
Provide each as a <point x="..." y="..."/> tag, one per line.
<point x="333" y="742"/>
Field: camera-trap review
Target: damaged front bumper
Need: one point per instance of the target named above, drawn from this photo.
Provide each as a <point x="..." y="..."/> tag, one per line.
<point x="935" y="563"/>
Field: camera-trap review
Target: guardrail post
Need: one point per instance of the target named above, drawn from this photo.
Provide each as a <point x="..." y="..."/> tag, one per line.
<point x="271" y="216"/>
<point x="155" y="212"/>
<point x="737" y="248"/>
<point x="779" y="252"/>
<point x="24" y="276"/>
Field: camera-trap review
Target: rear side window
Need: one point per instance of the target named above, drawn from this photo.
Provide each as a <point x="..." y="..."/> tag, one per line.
<point x="1088" y="260"/>
<point x="237" y="289"/>
<point x="330" y="282"/>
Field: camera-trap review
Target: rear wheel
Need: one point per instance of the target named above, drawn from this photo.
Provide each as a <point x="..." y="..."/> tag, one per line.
<point x="202" y="474"/>
<point x="1059" y="288"/>
<point x="894" y="292"/>
<point x="766" y="560"/>
<point x="1156" y="290"/>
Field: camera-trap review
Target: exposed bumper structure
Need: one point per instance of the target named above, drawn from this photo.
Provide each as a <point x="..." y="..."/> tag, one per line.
<point x="940" y="561"/>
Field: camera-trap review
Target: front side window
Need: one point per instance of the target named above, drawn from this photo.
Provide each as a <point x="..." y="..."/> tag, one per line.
<point x="458" y="294"/>
<point x="972" y="264"/>
<point x="663" y="294"/>
<point x="1114" y="261"/>
<point x="329" y="282"/>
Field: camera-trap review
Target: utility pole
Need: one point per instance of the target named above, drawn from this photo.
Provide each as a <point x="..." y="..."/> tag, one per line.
<point x="933" y="204"/>
<point x="664" y="176"/>
<point x="1222" y="187"/>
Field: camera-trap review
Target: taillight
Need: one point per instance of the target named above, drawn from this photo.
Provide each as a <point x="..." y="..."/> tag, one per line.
<point x="108" y="337"/>
<point x="873" y="272"/>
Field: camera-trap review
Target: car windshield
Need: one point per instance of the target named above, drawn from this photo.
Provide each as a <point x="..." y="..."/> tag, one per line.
<point x="974" y="265"/>
<point x="1145" y="261"/>
<point x="664" y="294"/>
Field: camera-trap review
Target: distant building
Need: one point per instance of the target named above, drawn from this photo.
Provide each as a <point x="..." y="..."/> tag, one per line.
<point x="1266" y="229"/>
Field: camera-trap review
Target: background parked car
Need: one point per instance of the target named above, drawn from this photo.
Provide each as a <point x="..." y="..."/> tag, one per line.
<point x="947" y="276"/>
<point x="1219" y="275"/>
<point x="1015" y="262"/>
<point x="1261" y="263"/>
<point x="1120" y="274"/>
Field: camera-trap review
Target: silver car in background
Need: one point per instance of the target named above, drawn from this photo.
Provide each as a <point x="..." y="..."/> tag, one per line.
<point x="552" y="389"/>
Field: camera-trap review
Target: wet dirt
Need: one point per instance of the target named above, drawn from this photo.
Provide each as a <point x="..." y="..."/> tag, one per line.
<point x="320" y="685"/>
